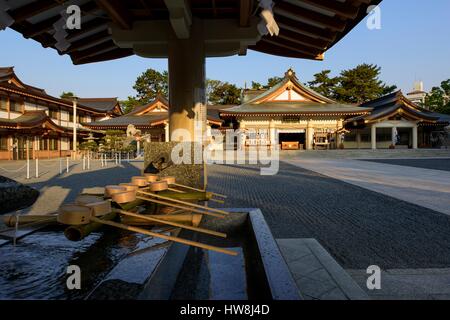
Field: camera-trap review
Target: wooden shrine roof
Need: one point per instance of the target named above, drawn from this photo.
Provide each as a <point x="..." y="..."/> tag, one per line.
<point x="397" y="104"/>
<point x="291" y="97"/>
<point x="308" y="28"/>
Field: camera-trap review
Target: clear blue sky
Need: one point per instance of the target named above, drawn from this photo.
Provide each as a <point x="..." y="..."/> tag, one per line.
<point x="413" y="44"/>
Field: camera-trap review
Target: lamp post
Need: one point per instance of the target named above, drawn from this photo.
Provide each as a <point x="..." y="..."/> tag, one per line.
<point x="74" y="148"/>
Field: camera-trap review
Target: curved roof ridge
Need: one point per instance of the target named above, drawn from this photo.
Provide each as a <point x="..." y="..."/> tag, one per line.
<point x="290" y="75"/>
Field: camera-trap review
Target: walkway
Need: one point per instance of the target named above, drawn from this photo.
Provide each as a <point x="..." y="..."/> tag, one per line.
<point x="56" y="189"/>
<point x="424" y="187"/>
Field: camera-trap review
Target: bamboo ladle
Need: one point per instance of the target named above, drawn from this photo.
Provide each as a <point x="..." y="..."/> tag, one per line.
<point x="171" y="223"/>
<point x="150" y="194"/>
<point x="181" y="207"/>
<point x="163" y="236"/>
<point x="172" y="181"/>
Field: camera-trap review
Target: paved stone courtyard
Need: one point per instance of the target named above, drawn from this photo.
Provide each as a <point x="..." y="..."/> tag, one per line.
<point x="357" y="223"/>
<point x="357" y="226"/>
<point x="434" y="164"/>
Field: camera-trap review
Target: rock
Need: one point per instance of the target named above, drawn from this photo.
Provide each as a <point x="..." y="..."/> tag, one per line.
<point x="15" y="196"/>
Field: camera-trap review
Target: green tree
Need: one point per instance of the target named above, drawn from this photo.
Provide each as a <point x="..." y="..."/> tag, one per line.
<point x="361" y="84"/>
<point x="149" y="84"/>
<point x="273" y="81"/>
<point x="438" y="100"/>
<point x="129" y="104"/>
<point x="67" y="95"/>
<point x="89" y="145"/>
<point x="256" y="85"/>
<point x="114" y="140"/>
<point x="211" y="86"/>
<point x="224" y="93"/>
<point x="324" y="85"/>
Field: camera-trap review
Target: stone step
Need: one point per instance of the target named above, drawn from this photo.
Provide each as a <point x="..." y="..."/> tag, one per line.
<point x="316" y="272"/>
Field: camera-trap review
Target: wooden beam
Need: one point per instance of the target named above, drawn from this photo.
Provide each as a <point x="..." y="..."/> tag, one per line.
<point x="117" y="12"/>
<point x="343" y="9"/>
<point x="180" y="17"/>
<point x="33" y="9"/>
<point x="293" y="46"/>
<point x="267" y="47"/>
<point x="245" y="8"/>
<point x="302" y="39"/>
<point x="90" y="40"/>
<point x="46" y="25"/>
<point x="113" y="54"/>
<point x="306" y="29"/>
<point x="78" y="55"/>
<point x="309" y="17"/>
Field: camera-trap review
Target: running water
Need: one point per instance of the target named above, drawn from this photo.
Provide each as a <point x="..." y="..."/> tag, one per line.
<point x="36" y="267"/>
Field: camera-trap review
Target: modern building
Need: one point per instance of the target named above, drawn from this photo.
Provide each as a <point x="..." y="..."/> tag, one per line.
<point x="35" y="124"/>
<point x="417" y="95"/>
<point x="296" y="117"/>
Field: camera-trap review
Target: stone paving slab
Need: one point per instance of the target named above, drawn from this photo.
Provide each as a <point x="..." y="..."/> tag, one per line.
<point x="367" y="154"/>
<point x="317" y="274"/>
<point x="408" y="284"/>
<point x="423" y="187"/>
<point x="434" y="164"/>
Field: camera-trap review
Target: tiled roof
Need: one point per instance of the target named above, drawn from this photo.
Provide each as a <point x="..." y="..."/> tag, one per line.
<point x="390" y="104"/>
<point x="146" y="120"/>
<point x="294" y="108"/>
<point x="28" y="120"/>
<point x="100" y="104"/>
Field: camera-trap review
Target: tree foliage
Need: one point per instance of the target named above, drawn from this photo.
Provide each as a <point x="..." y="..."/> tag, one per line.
<point x="129" y="104"/>
<point x="150" y="83"/>
<point x="224" y="93"/>
<point x="273" y="81"/>
<point x="361" y="84"/>
<point x="438" y="100"/>
<point x="256" y="85"/>
<point x="114" y="140"/>
<point x="67" y="95"/>
<point x="357" y="85"/>
<point x="324" y="85"/>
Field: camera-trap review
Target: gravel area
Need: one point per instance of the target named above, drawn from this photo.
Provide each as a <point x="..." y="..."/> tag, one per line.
<point x="357" y="226"/>
<point x="435" y="164"/>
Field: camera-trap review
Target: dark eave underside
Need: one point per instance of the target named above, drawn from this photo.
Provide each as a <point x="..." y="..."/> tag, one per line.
<point x="307" y="29"/>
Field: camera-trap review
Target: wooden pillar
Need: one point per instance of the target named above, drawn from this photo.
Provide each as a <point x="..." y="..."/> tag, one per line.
<point x="272" y="132"/>
<point x="309" y="136"/>
<point x="394" y="136"/>
<point x="166" y="132"/>
<point x="8" y="107"/>
<point x="414" y="137"/>
<point x="187" y="93"/>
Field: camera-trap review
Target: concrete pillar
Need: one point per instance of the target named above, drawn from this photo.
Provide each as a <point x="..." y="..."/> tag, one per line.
<point x="187" y="94"/>
<point x="309" y="136"/>
<point x="74" y="125"/>
<point x="414" y="137"/>
<point x="394" y="136"/>
<point x="373" y="137"/>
